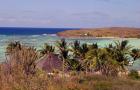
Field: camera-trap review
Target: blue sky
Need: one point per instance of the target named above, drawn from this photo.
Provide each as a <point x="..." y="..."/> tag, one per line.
<point x="69" y="13"/>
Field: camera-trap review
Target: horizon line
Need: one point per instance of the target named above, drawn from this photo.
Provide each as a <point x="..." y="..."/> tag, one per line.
<point x="71" y="27"/>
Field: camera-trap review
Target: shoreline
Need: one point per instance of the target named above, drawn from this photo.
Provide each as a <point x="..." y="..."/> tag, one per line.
<point x="110" y="32"/>
<point x="96" y="37"/>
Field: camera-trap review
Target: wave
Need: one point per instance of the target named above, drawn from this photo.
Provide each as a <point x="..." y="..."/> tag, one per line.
<point x="52" y="34"/>
<point x="44" y="34"/>
<point x="35" y="35"/>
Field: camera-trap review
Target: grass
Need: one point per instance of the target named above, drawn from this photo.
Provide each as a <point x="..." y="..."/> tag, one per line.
<point x="41" y="81"/>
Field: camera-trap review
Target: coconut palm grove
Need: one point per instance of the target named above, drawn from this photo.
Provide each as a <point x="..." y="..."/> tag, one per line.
<point x="73" y="66"/>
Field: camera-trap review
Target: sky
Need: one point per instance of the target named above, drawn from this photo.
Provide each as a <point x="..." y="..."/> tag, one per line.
<point x="69" y="13"/>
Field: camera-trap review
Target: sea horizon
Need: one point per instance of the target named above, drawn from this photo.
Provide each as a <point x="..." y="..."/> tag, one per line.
<point x="44" y="30"/>
<point x="31" y="30"/>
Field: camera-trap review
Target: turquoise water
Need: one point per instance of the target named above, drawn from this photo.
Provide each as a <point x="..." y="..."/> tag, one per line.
<point x="38" y="40"/>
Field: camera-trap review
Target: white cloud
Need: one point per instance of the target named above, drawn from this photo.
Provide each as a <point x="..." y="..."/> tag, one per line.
<point x="25" y="20"/>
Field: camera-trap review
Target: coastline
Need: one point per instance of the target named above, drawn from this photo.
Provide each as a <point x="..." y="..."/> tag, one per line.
<point x="77" y="37"/>
<point x="111" y="32"/>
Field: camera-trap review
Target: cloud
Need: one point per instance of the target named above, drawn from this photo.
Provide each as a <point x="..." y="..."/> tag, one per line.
<point x="104" y="0"/>
<point x="7" y="20"/>
<point x="25" y="20"/>
<point x="93" y="14"/>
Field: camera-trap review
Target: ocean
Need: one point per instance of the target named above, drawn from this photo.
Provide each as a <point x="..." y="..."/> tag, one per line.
<point x="30" y="31"/>
<point x="38" y="36"/>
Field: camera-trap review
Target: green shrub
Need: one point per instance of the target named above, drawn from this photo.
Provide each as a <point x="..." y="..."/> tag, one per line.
<point x="134" y="74"/>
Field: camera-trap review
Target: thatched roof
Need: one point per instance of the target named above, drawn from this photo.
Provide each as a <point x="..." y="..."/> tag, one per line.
<point x="50" y="62"/>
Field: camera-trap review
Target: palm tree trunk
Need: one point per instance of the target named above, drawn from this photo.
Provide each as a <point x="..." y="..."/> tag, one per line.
<point x="63" y="67"/>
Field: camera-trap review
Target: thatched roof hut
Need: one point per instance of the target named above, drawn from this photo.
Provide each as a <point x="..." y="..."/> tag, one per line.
<point x="50" y="62"/>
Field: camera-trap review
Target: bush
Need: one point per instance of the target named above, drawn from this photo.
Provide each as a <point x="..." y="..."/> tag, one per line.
<point x="134" y="74"/>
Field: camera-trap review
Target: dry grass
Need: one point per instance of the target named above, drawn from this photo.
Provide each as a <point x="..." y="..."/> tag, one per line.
<point x="41" y="81"/>
<point x="103" y="32"/>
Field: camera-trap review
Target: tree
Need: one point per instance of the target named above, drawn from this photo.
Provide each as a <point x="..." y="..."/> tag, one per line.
<point x="21" y="58"/>
<point x="47" y="49"/>
<point x="63" y="52"/>
<point x="79" y="52"/>
<point x="76" y="49"/>
<point x="121" y="53"/>
<point x="135" y="54"/>
<point x="109" y="60"/>
<point x="13" y="46"/>
<point x="91" y="57"/>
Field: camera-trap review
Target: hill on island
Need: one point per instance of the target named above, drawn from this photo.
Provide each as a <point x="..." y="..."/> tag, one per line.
<point x="125" y="32"/>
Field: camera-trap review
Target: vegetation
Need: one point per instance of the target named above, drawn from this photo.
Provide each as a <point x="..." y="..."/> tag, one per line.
<point x="63" y="50"/>
<point x="47" y="49"/>
<point x="134" y="74"/>
<point x="81" y="62"/>
<point x="103" y="32"/>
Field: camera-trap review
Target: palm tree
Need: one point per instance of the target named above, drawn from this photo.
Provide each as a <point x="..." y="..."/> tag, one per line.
<point x="94" y="46"/>
<point x="47" y="49"/>
<point x="135" y="54"/>
<point x="28" y="56"/>
<point x="118" y="56"/>
<point x="121" y="52"/>
<point x="83" y="50"/>
<point x="92" y="56"/>
<point x="79" y="52"/>
<point x="76" y="49"/>
<point x="21" y="57"/>
<point x="63" y="50"/>
<point x="109" y="60"/>
<point x="13" y="46"/>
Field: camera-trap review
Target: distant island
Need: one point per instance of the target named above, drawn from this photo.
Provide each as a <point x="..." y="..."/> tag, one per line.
<point x="120" y="32"/>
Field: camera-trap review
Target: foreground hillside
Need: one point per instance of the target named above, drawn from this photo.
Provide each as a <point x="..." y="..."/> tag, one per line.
<point x="88" y="67"/>
<point x="77" y="82"/>
<point x="103" y="32"/>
